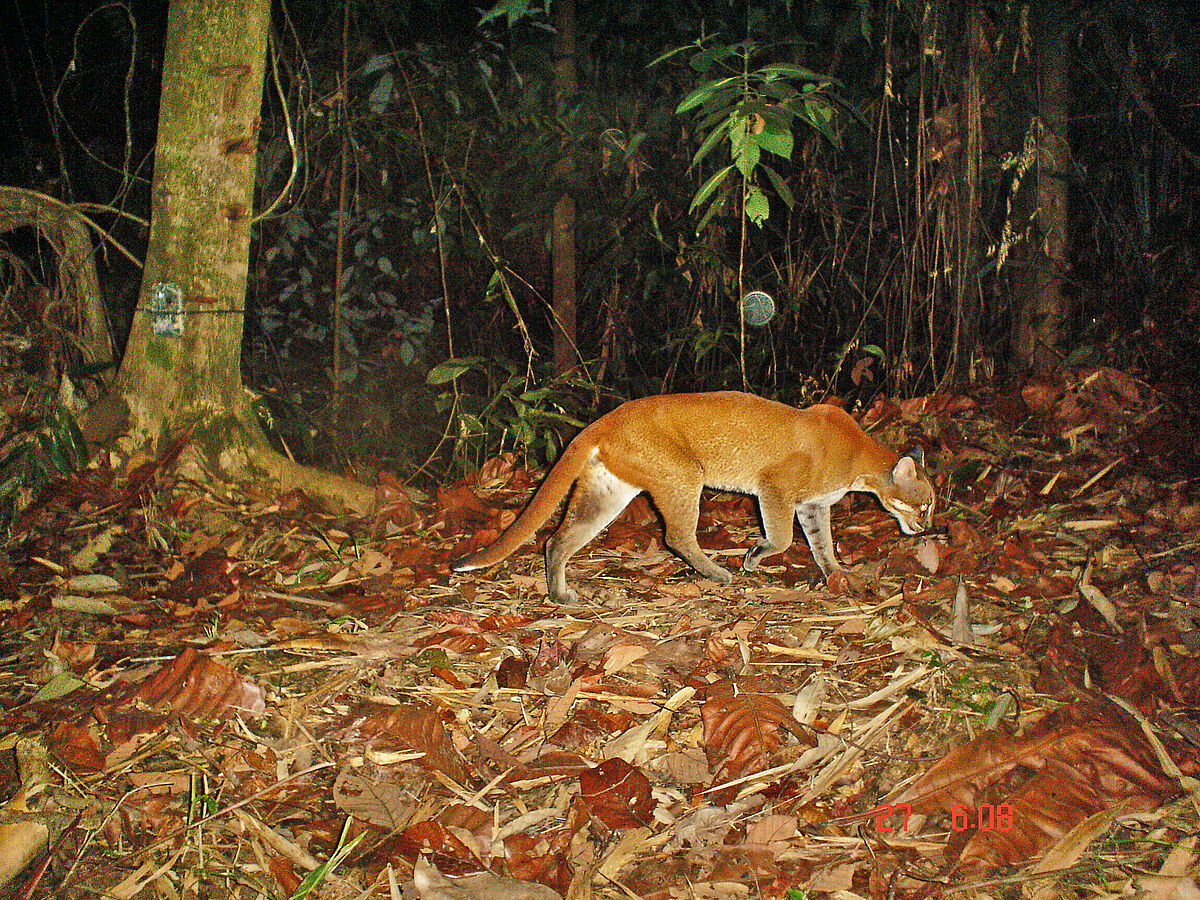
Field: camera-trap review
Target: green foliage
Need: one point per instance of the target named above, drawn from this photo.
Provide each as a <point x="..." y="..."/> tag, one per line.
<point x="296" y="323"/>
<point x="751" y="110"/>
<point x="509" y="414"/>
<point x="314" y="878"/>
<point x="34" y="456"/>
<point x="514" y="10"/>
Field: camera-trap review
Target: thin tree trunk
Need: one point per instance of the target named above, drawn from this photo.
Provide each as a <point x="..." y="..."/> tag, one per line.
<point x="1044" y="306"/>
<point x="562" y="229"/>
<point x="968" y="296"/>
<point x="202" y="212"/>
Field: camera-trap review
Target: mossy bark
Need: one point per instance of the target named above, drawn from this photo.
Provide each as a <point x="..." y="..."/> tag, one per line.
<point x="201" y="218"/>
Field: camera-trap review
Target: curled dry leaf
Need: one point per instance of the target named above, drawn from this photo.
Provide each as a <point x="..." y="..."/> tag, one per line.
<point x="429" y="837"/>
<point x="454" y="638"/>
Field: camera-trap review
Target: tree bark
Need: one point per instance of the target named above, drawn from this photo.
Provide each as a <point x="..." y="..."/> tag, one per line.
<point x="562" y="229"/>
<point x="1043" y="305"/>
<point x="969" y="300"/>
<point x="201" y="208"/>
<point x="67" y="232"/>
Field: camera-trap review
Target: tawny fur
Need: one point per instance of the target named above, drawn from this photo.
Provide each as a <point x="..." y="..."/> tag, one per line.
<point x="798" y="462"/>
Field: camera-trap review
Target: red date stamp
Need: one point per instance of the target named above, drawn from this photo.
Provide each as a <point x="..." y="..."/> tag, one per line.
<point x="887" y="811"/>
<point x="984" y="817"/>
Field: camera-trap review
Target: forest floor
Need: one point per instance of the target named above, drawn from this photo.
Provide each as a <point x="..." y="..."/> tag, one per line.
<point x="207" y="698"/>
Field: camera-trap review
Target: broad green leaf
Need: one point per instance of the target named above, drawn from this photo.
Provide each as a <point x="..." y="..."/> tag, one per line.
<point x="449" y="370"/>
<point x="788" y="70"/>
<point x="776" y="138"/>
<point x="702" y="93"/>
<point x="634" y="143"/>
<point x="781" y="188"/>
<point x="779" y="90"/>
<point x="747" y="159"/>
<point x="377" y="62"/>
<point x="510" y="9"/>
<point x="757" y="206"/>
<point x="720" y="113"/>
<point x="820" y="116"/>
<point x="703" y="61"/>
<point x="706" y="189"/>
<point x="711" y="141"/>
<point x="381" y="94"/>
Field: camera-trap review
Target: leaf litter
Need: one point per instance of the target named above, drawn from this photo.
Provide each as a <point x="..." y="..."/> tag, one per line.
<point x="204" y="697"/>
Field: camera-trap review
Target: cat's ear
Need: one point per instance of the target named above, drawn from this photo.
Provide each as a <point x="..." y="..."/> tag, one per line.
<point x="904" y="470"/>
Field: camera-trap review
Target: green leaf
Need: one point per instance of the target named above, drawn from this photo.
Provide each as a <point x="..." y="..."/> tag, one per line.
<point x="776" y="137"/>
<point x="875" y="350"/>
<point x="451" y="369"/>
<point x="550" y="415"/>
<point x="747" y="158"/>
<point x="757" y="206"/>
<point x="711" y="141"/>
<point x="703" y="61"/>
<point x="819" y="114"/>
<point x="706" y="189"/>
<point x="779" y="90"/>
<point x="511" y="9"/>
<point x="11" y="486"/>
<point x="523" y="432"/>
<point x="53" y="449"/>
<point x="634" y="143"/>
<point x="788" y="70"/>
<point x="78" y="441"/>
<point x="702" y="93"/>
<point x="781" y="188"/>
<point x="717" y="205"/>
<point x="864" y="15"/>
<point x="676" y="50"/>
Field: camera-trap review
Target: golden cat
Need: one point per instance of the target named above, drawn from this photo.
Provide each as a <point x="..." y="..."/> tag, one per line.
<point x="798" y="462"/>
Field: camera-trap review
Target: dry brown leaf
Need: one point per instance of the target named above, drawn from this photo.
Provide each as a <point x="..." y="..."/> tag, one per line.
<point x="1085" y="758"/>
<point x="197" y="685"/>
<point x="378" y="802"/>
<point x="741" y="731"/>
<point x="433" y="885"/>
<point x="617" y="794"/>
<point x="414" y="727"/>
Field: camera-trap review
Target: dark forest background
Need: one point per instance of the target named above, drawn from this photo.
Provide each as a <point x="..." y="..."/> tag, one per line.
<point x="930" y="193"/>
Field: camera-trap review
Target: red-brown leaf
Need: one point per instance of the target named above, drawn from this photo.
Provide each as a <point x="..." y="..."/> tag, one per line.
<point x="617" y="794"/>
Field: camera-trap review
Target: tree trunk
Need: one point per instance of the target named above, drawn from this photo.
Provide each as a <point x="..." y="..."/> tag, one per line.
<point x="968" y="295"/>
<point x="562" y="229"/>
<point x="1043" y="305"/>
<point x="201" y="208"/>
<point x="66" y="231"/>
